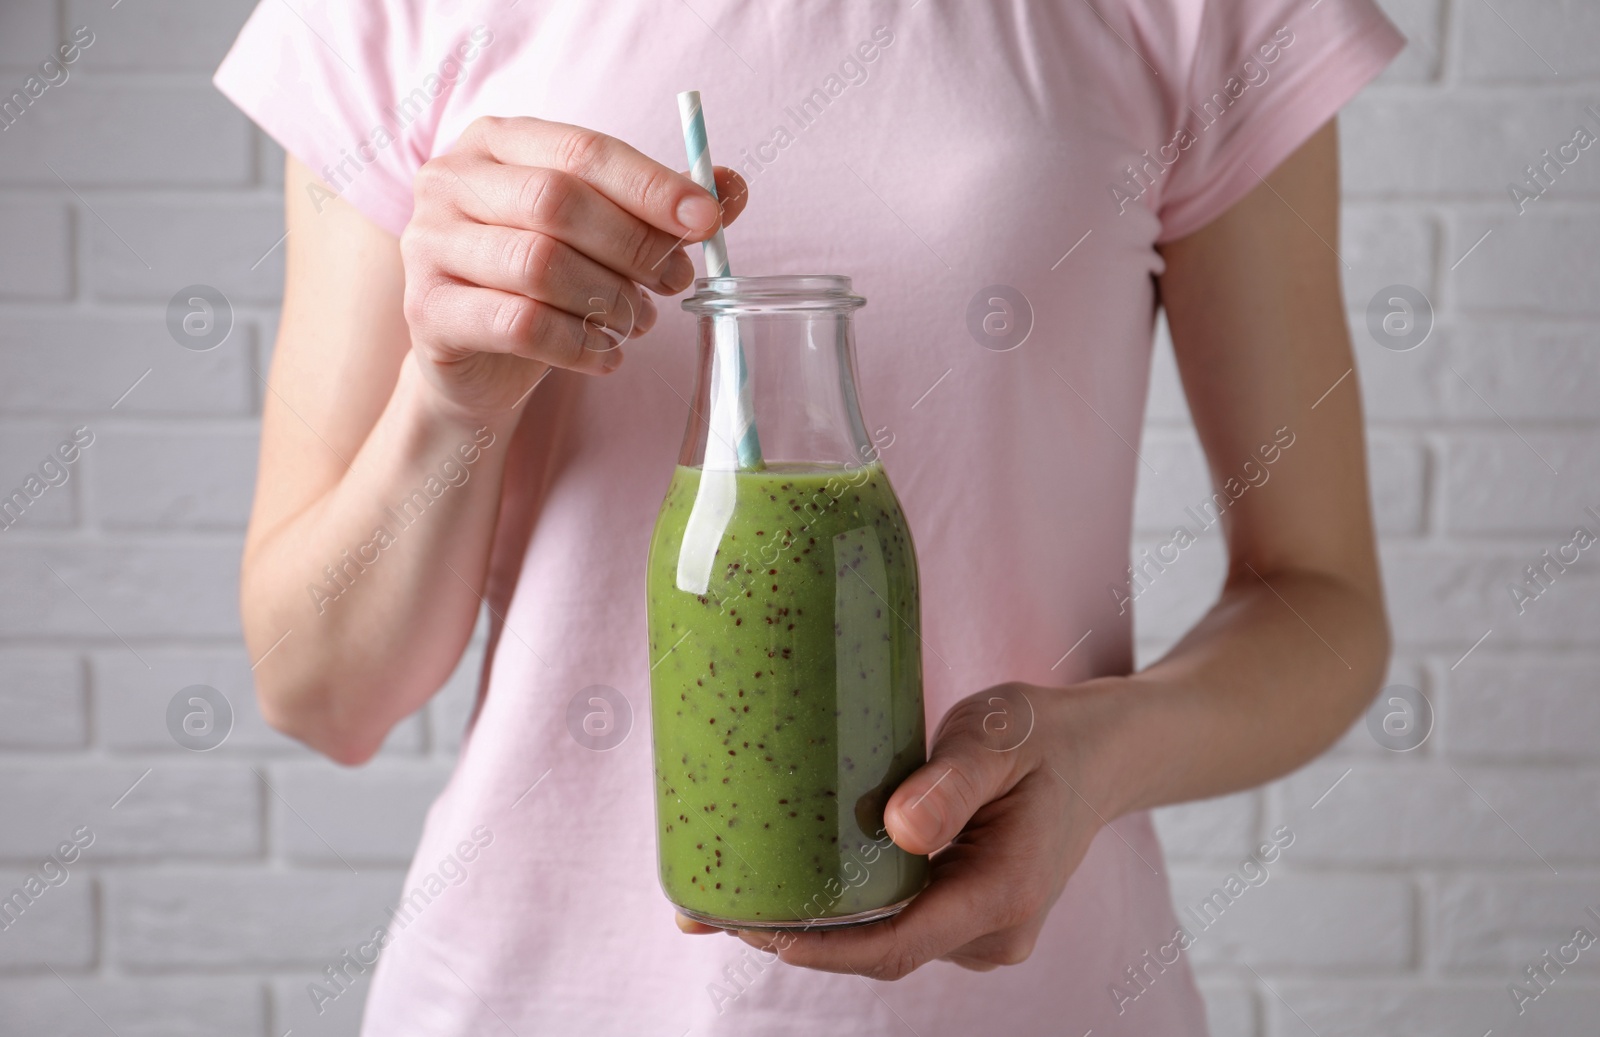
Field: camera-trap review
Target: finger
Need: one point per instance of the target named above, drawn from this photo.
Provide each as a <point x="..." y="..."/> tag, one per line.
<point x="543" y="268"/>
<point x="955" y="909"/>
<point x="560" y="205"/>
<point x="689" y="925"/>
<point x="733" y="192"/>
<point x="662" y="197"/>
<point x="463" y="319"/>
<point x="1006" y="947"/>
<point x="963" y="773"/>
<point x="972" y="964"/>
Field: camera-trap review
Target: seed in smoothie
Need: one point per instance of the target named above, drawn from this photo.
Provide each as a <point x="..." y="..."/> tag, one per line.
<point x="786" y="697"/>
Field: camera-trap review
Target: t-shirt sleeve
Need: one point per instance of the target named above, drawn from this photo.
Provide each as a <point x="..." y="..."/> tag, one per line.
<point x="1264" y="76"/>
<point x="331" y="82"/>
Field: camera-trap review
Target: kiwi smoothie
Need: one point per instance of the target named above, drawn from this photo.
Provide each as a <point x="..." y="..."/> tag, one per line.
<point x="786" y="696"/>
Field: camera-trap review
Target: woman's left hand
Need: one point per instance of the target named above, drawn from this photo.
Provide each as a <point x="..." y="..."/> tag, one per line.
<point x="1002" y="799"/>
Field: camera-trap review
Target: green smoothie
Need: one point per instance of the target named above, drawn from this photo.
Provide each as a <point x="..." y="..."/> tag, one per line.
<point x="786" y="693"/>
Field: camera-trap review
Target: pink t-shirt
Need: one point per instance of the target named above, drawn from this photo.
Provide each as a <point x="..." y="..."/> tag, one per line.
<point x="929" y="151"/>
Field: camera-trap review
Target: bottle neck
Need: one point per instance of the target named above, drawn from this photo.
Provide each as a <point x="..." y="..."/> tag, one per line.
<point x="778" y="354"/>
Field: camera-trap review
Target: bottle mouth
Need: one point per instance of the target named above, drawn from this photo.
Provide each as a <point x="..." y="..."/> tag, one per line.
<point x="773" y="293"/>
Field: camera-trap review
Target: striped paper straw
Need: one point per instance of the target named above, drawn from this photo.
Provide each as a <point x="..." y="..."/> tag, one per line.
<point x="730" y="351"/>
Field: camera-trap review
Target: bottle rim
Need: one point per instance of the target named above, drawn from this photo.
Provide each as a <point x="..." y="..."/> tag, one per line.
<point x="772" y="293"/>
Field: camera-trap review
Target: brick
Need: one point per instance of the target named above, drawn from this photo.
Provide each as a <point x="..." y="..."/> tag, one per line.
<point x="1220" y="829"/>
<point x="213" y="241"/>
<point x="294" y="1007"/>
<point x="162" y="136"/>
<point x="42" y="700"/>
<point x="28" y="36"/>
<point x="239" y="919"/>
<point x="1524" y="709"/>
<point x="1298" y="921"/>
<point x="154" y="1006"/>
<point x="1408" y="812"/>
<point x="162" y="35"/>
<point x="137" y="590"/>
<point x="1555" y="31"/>
<point x="270" y="160"/>
<point x="73" y="364"/>
<point x="1526" y="370"/>
<point x="25" y="447"/>
<point x="323" y="814"/>
<point x="57" y="927"/>
<point x="36" y="252"/>
<point x="1230" y="1009"/>
<point x="1541" y="262"/>
<point x="131" y="703"/>
<point x="1448" y="598"/>
<point x="1423" y="1008"/>
<point x="1497" y="483"/>
<point x="1397" y="473"/>
<point x="1464" y="143"/>
<point x="266" y="340"/>
<point x="1421" y="23"/>
<point x="131" y="700"/>
<point x="1407" y="386"/>
<point x="1504" y="924"/>
<point x="188" y="479"/>
<point x="174" y="812"/>
<point x="1384" y="245"/>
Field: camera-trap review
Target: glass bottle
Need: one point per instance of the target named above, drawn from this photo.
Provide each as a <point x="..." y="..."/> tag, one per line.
<point x="786" y="672"/>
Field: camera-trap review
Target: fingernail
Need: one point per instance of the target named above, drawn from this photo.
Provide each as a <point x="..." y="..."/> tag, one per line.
<point x="698" y="212"/>
<point x="679" y="272"/>
<point x="647" y="310"/>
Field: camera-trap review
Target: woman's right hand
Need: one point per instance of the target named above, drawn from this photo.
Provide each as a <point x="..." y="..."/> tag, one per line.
<point x="527" y="239"/>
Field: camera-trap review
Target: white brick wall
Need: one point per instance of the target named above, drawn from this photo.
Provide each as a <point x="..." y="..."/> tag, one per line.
<point x="1419" y="887"/>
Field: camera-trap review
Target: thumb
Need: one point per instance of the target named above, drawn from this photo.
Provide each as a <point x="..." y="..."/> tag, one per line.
<point x="733" y="192"/>
<point x="967" y="768"/>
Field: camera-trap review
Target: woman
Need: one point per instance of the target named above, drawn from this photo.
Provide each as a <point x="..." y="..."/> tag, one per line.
<point x="474" y="193"/>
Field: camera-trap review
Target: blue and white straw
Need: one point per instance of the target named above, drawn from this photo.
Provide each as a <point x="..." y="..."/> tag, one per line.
<point x="729" y="350"/>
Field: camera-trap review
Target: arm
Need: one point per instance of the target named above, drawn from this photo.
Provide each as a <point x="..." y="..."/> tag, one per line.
<point x="403" y="366"/>
<point x="348" y="428"/>
<point x="1296" y="646"/>
<point x="1290" y="654"/>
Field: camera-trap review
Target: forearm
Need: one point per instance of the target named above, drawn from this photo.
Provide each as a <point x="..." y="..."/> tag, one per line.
<point x="1273" y="675"/>
<point x="357" y="608"/>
